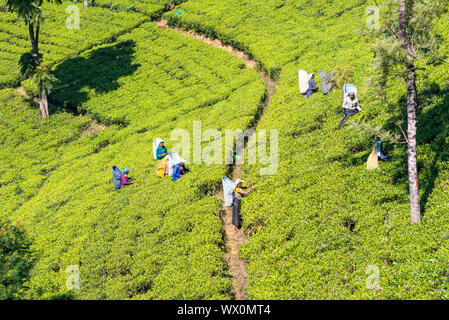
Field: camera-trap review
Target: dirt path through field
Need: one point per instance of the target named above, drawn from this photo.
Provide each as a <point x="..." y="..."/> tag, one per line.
<point x="234" y="240"/>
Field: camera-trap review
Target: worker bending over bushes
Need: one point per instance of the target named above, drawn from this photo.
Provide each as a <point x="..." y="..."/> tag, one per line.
<point x="380" y="154"/>
<point x="119" y="178"/>
<point x="124" y="179"/>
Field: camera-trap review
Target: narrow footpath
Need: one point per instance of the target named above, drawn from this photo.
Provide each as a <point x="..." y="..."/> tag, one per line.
<point x="234" y="240"/>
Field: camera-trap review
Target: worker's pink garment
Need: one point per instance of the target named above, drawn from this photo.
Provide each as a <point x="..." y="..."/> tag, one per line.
<point x="124" y="180"/>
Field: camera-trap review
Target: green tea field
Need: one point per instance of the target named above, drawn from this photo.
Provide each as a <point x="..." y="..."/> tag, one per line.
<point x="318" y="225"/>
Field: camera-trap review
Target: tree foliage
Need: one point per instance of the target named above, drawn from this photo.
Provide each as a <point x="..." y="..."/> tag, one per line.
<point x="16" y="260"/>
<point x="390" y="56"/>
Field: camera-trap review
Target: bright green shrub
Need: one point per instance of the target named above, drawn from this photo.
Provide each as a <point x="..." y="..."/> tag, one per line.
<point x="16" y="260"/>
<point x="152" y="8"/>
<point x="316" y="226"/>
<point x="56" y="42"/>
<point x="322" y="219"/>
<point x="156" y="239"/>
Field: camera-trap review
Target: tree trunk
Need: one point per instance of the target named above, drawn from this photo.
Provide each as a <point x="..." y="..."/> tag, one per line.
<point x="410" y="79"/>
<point x="36" y="37"/>
<point x="43" y="103"/>
<point x="415" y="210"/>
<point x="86" y="3"/>
<point x="33" y="39"/>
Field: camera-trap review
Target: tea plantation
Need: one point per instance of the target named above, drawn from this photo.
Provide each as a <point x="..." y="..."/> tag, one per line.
<point x="58" y="42"/>
<point x="156" y="239"/>
<point x="323" y="221"/>
<point x="316" y="229"/>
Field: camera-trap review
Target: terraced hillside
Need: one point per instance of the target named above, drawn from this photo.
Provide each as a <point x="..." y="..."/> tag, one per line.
<point x="314" y="230"/>
<point x="145" y="240"/>
<point x="96" y="26"/>
<point x="322" y="222"/>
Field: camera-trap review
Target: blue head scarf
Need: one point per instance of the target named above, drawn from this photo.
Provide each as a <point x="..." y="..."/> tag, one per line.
<point x="379" y="144"/>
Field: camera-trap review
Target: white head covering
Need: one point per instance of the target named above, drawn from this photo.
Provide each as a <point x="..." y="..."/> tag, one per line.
<point x="236" y="183"/>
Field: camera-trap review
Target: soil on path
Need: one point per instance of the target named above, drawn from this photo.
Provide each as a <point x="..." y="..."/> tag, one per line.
<point x="235" y="239"/>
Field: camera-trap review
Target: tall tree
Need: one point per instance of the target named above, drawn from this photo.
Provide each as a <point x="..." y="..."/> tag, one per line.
<point x="86" y="3"/>
<point x="406" y="38"/>
<point x="30" y="12"/>
<point x="410" y="80"/>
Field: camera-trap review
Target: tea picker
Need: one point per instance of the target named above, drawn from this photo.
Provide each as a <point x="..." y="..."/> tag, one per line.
<point x="351" y="104"/>
<point x="380" y="154"/>
<point x="120" y="178"/>
<point x="376" y="155"/>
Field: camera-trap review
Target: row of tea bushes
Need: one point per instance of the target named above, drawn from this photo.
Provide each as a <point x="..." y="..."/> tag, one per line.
<point x="156" y="239"/>
<point x="323" y="226"/>
<point x="57" y="41"/>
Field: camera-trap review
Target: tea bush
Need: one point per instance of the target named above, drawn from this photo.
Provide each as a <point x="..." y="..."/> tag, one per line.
<point x="156" y="239"/>
<point x="152" y="8"/>
<point x="57" y="42"/>
<point x="322" y="223"/>
<point x="16" y="260"/>
<point x="320" y="228"/>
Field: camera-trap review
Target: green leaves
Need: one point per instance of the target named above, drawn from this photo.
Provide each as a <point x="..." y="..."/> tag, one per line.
<point x="315" y="226"/>
<point x="57" y="43"/>
<point x="300" y="246"/>
<point x="16" y="260"/>
<point x="28" y="63"/>
<point x="43" y="77"/>
<point x="40" y="74"/>
<point x="27" y="10"/>
<point x="152" y="240"/>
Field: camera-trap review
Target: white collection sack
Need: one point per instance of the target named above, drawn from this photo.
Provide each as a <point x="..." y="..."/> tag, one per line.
<point x="228" y="191"/>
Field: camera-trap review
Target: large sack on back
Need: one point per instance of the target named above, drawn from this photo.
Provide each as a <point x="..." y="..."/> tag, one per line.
<point x="372" y="162"/>
<point x="116" y="176"/>
<point x="303" y="78"/>
<point x="228" y="191"/>
<point x="161" y="168"/>
<point x="173" y="159"/>
<point x="326" y="82"/>
<point x="348" y="89"/>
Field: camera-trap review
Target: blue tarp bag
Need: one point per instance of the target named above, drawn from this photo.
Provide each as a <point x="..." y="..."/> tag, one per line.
<point x="326" y="81"/>
<point x="176" y="172"/>
<point x="116" y="177"/>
